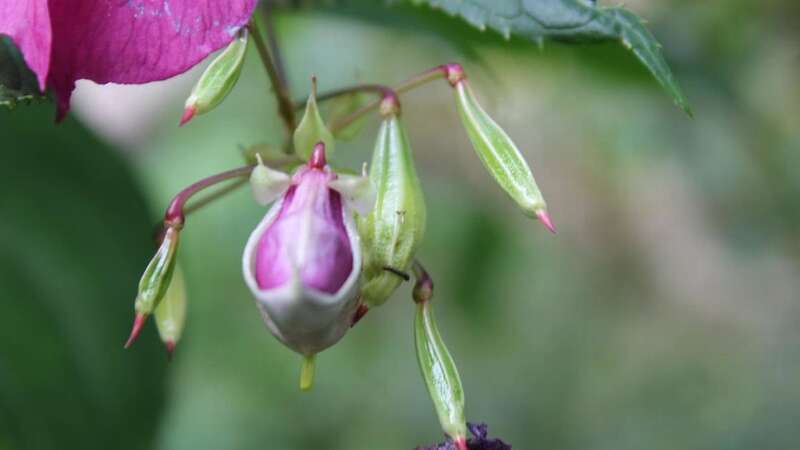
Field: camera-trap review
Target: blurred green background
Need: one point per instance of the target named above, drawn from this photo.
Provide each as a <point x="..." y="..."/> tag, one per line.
<point x="664" y="314"/>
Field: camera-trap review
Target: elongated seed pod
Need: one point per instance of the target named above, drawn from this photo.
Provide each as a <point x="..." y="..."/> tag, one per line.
<point x="394" y="229"/>
<point x="440" y="373"/>
<point x="170" y="314"/>
<point x="158" y="274"/>
<point x="499" y="155"/>
<point x="218" y="79"/>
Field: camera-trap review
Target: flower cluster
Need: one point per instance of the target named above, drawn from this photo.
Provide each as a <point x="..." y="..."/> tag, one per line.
<point x="333" y="243"/>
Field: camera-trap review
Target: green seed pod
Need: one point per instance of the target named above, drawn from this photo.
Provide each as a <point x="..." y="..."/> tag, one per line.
<point x="218" y="79"/>
<point x="156" y="278"/>
<point x="170" y="314"/>
<point x="440" y="373"/>
<point x="312" y="129"/>
<point x="499" y="155"/>
<point x="394" y="228"/>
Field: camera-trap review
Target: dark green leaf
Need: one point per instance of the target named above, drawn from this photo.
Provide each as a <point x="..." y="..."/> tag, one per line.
<point x="17" y="82"/>
<point x="75" y="235"/>
<point x="567" y="20"/>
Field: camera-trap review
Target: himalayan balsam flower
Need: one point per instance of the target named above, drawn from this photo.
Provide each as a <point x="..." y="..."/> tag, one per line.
<point x="135" y="41"/>
<point x="303" y="260"/>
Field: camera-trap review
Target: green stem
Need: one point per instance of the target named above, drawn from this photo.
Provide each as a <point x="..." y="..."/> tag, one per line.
<point x="412" y="83"/>
<point x="285" y="107"/>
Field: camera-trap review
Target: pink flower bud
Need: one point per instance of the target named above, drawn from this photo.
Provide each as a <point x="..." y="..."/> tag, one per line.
<point x="303" y="261"/>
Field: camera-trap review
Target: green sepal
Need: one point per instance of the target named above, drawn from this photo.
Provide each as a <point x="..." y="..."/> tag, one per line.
<point x="170" y="314"/>
<point x="498" y="153"/>
<point x="439" y="372"/>
<point x="219" y="77"/>
<point x="392" y="232"/>
<point x="156" y="278"/>
<point x="312" y="129"/>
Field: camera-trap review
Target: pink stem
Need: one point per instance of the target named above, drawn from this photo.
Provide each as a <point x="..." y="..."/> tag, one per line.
<point x="175" y="212"/>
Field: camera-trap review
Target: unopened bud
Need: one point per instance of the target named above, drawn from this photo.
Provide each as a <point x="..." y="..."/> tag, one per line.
<point x="302" y="262"/>
<point x="218" y="79"/>
<point x="394" y="229"/>
<point x="155" y="280"/>
<point x="499" y="155"/>
<point x="312" y="129"/>
<point x="170" y="314"/>
<point x="440" y="373"/>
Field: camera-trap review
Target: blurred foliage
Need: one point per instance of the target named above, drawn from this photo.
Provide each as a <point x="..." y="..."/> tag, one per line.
<point x="662" y="316"/>
<point x="73" y="237"/>
<point x="17" y="82"/>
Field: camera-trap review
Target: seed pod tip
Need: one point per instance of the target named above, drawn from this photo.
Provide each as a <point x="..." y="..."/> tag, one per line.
<point x="138" y="323"/>
<point x="544" y="217"/>
<point x="170" y="347"/>
<point x="188" y="114"/>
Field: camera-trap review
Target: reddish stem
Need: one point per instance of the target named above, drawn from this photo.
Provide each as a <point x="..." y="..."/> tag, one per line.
<point x="174" y="216"/>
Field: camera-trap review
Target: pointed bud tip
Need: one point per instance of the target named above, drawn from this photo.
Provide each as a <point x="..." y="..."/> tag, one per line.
<point x="170" y="346"/>
<point x="544" y="217"/>
<point x="461" y="443"/>
<point x="317" y="160"/>
<point x="138" y="323"/>
<point x="188" y="114"/>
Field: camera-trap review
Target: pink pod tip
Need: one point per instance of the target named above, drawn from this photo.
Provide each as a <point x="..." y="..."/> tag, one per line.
<point x="188" y="114"/>
<point x="544" y="217"/>
<point x="461" y="443"/>
<point x="170" y="346"/>
<point x="138" y="323"/>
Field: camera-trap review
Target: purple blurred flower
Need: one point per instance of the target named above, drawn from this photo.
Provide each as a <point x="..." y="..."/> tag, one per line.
<point x="133" y="41"/>
<point x="479" y="441"/>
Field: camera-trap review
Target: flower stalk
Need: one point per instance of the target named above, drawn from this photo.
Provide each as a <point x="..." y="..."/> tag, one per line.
<point x="285" y="106"/>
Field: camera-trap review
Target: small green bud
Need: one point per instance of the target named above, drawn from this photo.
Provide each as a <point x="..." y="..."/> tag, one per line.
<point x="499" y="154"/>
<point x="170" y="313"/>
<point x="437" y="366"/>
<point x="394" y="229"/>
<point x="312" y="128"/>
<point x="155" y="280"/>
<point x="218" y="79"/>
<point x="268" y="184"/>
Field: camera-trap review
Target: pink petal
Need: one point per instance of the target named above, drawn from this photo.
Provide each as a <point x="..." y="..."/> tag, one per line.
<point x="27" y="22"/>
<point x="136" y="41"/>
<point x="308" y="236"/>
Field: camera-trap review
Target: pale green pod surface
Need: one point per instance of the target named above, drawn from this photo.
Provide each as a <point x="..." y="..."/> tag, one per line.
<point x="394" y="229"/>
<point x="158" y="274"/>
<point x="498" y="153"/>
<point x="439" y="372"/>
<point x="218" y="79"/>
<point x="170" y="313"/>
<point x="312" y="129"/>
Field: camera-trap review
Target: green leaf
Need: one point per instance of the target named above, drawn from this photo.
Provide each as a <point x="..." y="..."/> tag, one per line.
<point x="567" y="20"/>
<point x="17" y="81"/>
<point x="74" y="238"/>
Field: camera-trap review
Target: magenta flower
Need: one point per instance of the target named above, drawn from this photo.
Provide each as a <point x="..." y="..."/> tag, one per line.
<point x="117" y="41"/>
<point x="303" y="260"/>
